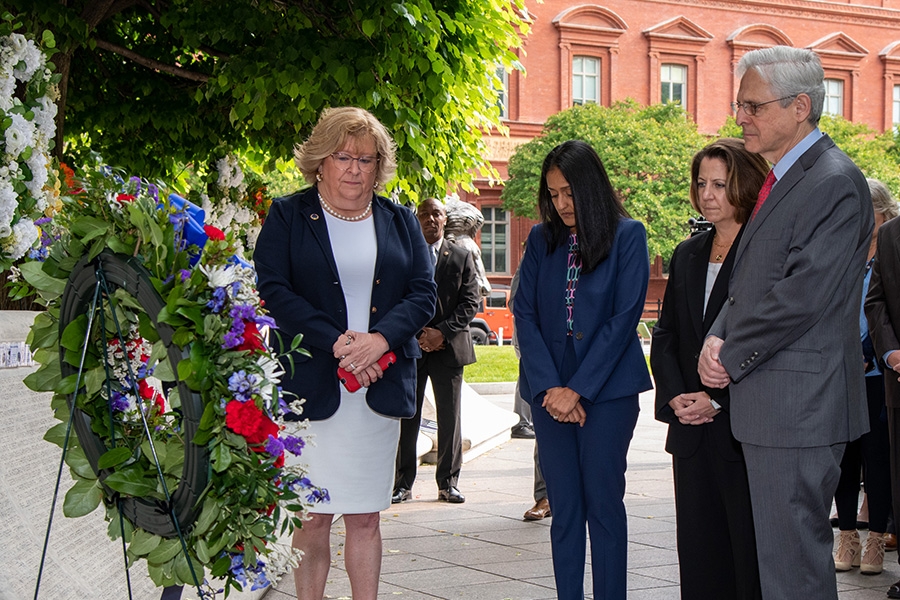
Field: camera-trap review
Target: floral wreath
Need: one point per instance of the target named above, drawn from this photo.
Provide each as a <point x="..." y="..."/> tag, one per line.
<point x="169" y="384"/>
<point x="29" y="189"/>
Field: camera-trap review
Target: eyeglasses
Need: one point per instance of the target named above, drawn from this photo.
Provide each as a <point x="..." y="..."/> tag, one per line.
<point x="366" y="164"/>
<point x="750" y="108"/>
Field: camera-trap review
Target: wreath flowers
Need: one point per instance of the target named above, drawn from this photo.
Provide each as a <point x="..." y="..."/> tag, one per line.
<point x="28" y="187"/>
<point x="135" y="398"/>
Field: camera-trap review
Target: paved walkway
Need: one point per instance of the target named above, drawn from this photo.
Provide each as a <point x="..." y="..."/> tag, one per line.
<point x="484" y="550"/>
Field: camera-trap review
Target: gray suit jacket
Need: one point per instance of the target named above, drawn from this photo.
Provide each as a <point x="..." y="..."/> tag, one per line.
<point x="791" y="322"/>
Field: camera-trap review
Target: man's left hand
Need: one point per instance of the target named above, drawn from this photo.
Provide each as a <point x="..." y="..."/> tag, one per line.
<point x="431" y="339"/>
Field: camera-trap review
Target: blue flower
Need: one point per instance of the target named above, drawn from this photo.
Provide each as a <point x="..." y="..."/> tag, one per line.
<point x="274" y="446"/>
<point x="243" y="385"/>
<point x="217" y="303"/>
<point x="293" y="444"/>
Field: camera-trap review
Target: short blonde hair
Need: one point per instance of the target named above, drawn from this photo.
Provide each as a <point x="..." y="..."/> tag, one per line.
<point x="331" y="132"/>
<point x="882" y="201"/>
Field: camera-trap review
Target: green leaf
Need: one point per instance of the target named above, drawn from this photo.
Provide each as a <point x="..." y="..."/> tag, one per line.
<point x="131" y="481"/>
<point x="78" y="462"/>
<point x="220" y="457"/>
<point x="163" y="371"/>
<point x="73" y="337"/>
<point x="82" y="499"/>
<point x="183" y="569"/>
<point x="143" y="542"/>
<point x="67" y="384"/>
<point x="164" y="552"/>
<point x="87" y="228"/>
<point x="48" y="287"/>
<point x="207" y="516"/>
<point x="114" y="457"/>
<point x="56" y="434"/>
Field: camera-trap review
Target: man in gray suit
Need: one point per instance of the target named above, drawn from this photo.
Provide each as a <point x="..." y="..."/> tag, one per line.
<point x="787" y="340"/>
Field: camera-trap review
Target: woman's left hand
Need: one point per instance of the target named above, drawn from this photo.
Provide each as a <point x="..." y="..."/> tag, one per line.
<point x="563" y="405"/>
<point x="358" y="351"/>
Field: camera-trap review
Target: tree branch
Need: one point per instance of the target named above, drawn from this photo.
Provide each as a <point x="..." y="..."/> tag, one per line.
<point x="150" y="63"/>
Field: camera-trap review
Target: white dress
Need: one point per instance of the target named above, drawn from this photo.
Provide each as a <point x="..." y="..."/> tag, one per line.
<point x="353" y="453"/>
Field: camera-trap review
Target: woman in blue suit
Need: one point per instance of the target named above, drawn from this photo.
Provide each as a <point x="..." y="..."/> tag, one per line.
<point x="350" y="270"/>
<point x="581" y="294"/>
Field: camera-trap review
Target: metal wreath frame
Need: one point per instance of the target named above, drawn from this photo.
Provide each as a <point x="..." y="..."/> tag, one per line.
<point x="150" y="514"/>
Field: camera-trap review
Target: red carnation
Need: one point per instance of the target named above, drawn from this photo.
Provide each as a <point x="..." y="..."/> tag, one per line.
<point x="246" y="419"/>
<point x="213" y="233"/>
<point x="252" y="338"/>
<point x="125" y="198"/>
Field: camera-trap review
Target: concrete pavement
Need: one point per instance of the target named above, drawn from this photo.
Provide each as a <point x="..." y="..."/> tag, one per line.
<point x="484" y="550"/>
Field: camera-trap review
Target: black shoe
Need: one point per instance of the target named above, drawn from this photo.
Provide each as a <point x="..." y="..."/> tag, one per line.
<point x="894" y="591"/>
<point x="400" y="495"/>
<point x="522" y="432"/>
<point x="451" y="495"/>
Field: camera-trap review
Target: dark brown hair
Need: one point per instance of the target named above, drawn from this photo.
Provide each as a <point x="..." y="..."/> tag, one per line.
<point x="746" y="172"/>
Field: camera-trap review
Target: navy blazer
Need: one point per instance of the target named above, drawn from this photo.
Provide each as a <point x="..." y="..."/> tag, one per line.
<point x="299" y="282"/>
<point x="609" y="302"/>
<point x="678" y="338"/>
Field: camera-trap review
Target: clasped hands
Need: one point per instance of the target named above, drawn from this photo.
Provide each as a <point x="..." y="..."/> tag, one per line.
<point x="431" y="339"/>
<point x="694" y="408"/>
<point x="563" y="404"/>
<point x="359" y="352"/>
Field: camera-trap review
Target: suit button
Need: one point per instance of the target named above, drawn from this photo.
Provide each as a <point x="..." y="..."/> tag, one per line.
<point x="377" y="282"/>
<point x="374" y="310"/>
<point x="731" y="300"/>
<point x="579" y="336"/>
<point x="755" y="354"/>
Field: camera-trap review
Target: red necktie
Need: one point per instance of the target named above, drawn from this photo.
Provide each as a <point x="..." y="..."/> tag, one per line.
<point x="763" y="193"/>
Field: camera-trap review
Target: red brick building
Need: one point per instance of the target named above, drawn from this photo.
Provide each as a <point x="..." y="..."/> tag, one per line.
<point x="685" y="50"/>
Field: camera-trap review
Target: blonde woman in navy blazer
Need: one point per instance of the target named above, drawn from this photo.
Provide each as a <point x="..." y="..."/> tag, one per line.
<point x="582" y="365"/>
<point x="350" y="270"/>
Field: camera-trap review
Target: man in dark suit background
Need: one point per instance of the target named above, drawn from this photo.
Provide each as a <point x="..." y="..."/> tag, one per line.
<point x="446" y="348"/>
<point x="787" y="339"/>
<point x="883" y="313"/>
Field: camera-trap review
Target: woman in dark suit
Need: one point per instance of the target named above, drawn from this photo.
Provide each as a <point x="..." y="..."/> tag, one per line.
<point x="350" y="271"/>
<point x="716" y="543"/>
<point x="581" y="292"/>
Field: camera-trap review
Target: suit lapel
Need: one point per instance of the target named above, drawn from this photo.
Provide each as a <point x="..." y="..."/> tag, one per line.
<point x="782" y="187"/>
<point x="315" y="217"/>
<point x="720" y="288"/>
<point x="696" y="282"/>
<point x="383" y="224"/>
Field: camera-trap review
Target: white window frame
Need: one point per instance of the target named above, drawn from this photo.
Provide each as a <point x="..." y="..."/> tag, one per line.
<point x="672" y="76"/>
<point x="503" y="92"/>
<point x="896" y="106"/>
<point x="834" y="97"/>
<point x="491" y="249"/>
<point x="582" y="78"/>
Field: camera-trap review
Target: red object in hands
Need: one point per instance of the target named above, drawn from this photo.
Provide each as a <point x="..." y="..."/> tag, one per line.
<point x="349" y="379"/>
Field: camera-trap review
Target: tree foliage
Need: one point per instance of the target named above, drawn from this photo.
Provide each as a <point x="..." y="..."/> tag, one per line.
<point x="151" y="85"/>
<point x="646" y="151"/>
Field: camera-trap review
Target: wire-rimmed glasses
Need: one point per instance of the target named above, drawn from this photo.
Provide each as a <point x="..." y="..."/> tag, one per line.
<point x="750" y="108"/>
<point x="343" y="161"/>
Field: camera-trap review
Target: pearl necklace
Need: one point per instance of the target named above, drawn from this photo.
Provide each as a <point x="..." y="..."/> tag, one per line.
<point x="334" y="213"/>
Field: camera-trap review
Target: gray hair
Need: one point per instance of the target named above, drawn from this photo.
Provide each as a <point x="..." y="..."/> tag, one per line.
<point x="789" y="73"/>
<point x="882" y="201"/>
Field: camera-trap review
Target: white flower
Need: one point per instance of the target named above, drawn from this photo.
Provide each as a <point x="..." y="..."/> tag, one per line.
<point x="19" y="135"/>
<point x="230" y="174"/>
<point x="14" y="274"/>
<point x="219" y="276"/>
<point x="8" y="201"/>
<point x="37" y="162"/>
<point x="45" y="118"/>
<point x="24" y="235"/>
<point x="33" y="58"/>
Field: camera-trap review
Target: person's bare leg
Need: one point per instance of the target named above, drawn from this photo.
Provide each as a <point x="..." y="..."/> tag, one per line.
<point x="362" y="554"/>
<point x="314" y="539"/>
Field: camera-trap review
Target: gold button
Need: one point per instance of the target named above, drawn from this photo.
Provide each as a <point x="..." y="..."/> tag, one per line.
<point x="374" y="310"/>
<point x="579" y="335"/>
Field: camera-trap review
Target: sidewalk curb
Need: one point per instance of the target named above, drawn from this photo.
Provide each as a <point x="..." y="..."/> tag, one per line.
<point x="494" y="387"/>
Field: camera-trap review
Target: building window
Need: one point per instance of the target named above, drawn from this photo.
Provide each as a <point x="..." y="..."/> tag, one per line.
<point x="585" y="80"/>
<point x="494" y="249"/>
<point x="896" y="120"/>
<point x="503" y="92"/>
<point x="834" y="97"/>
<point x="673" y="83"/>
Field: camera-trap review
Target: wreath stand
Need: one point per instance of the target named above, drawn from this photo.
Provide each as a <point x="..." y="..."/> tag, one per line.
<point x="89" y="290"/>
